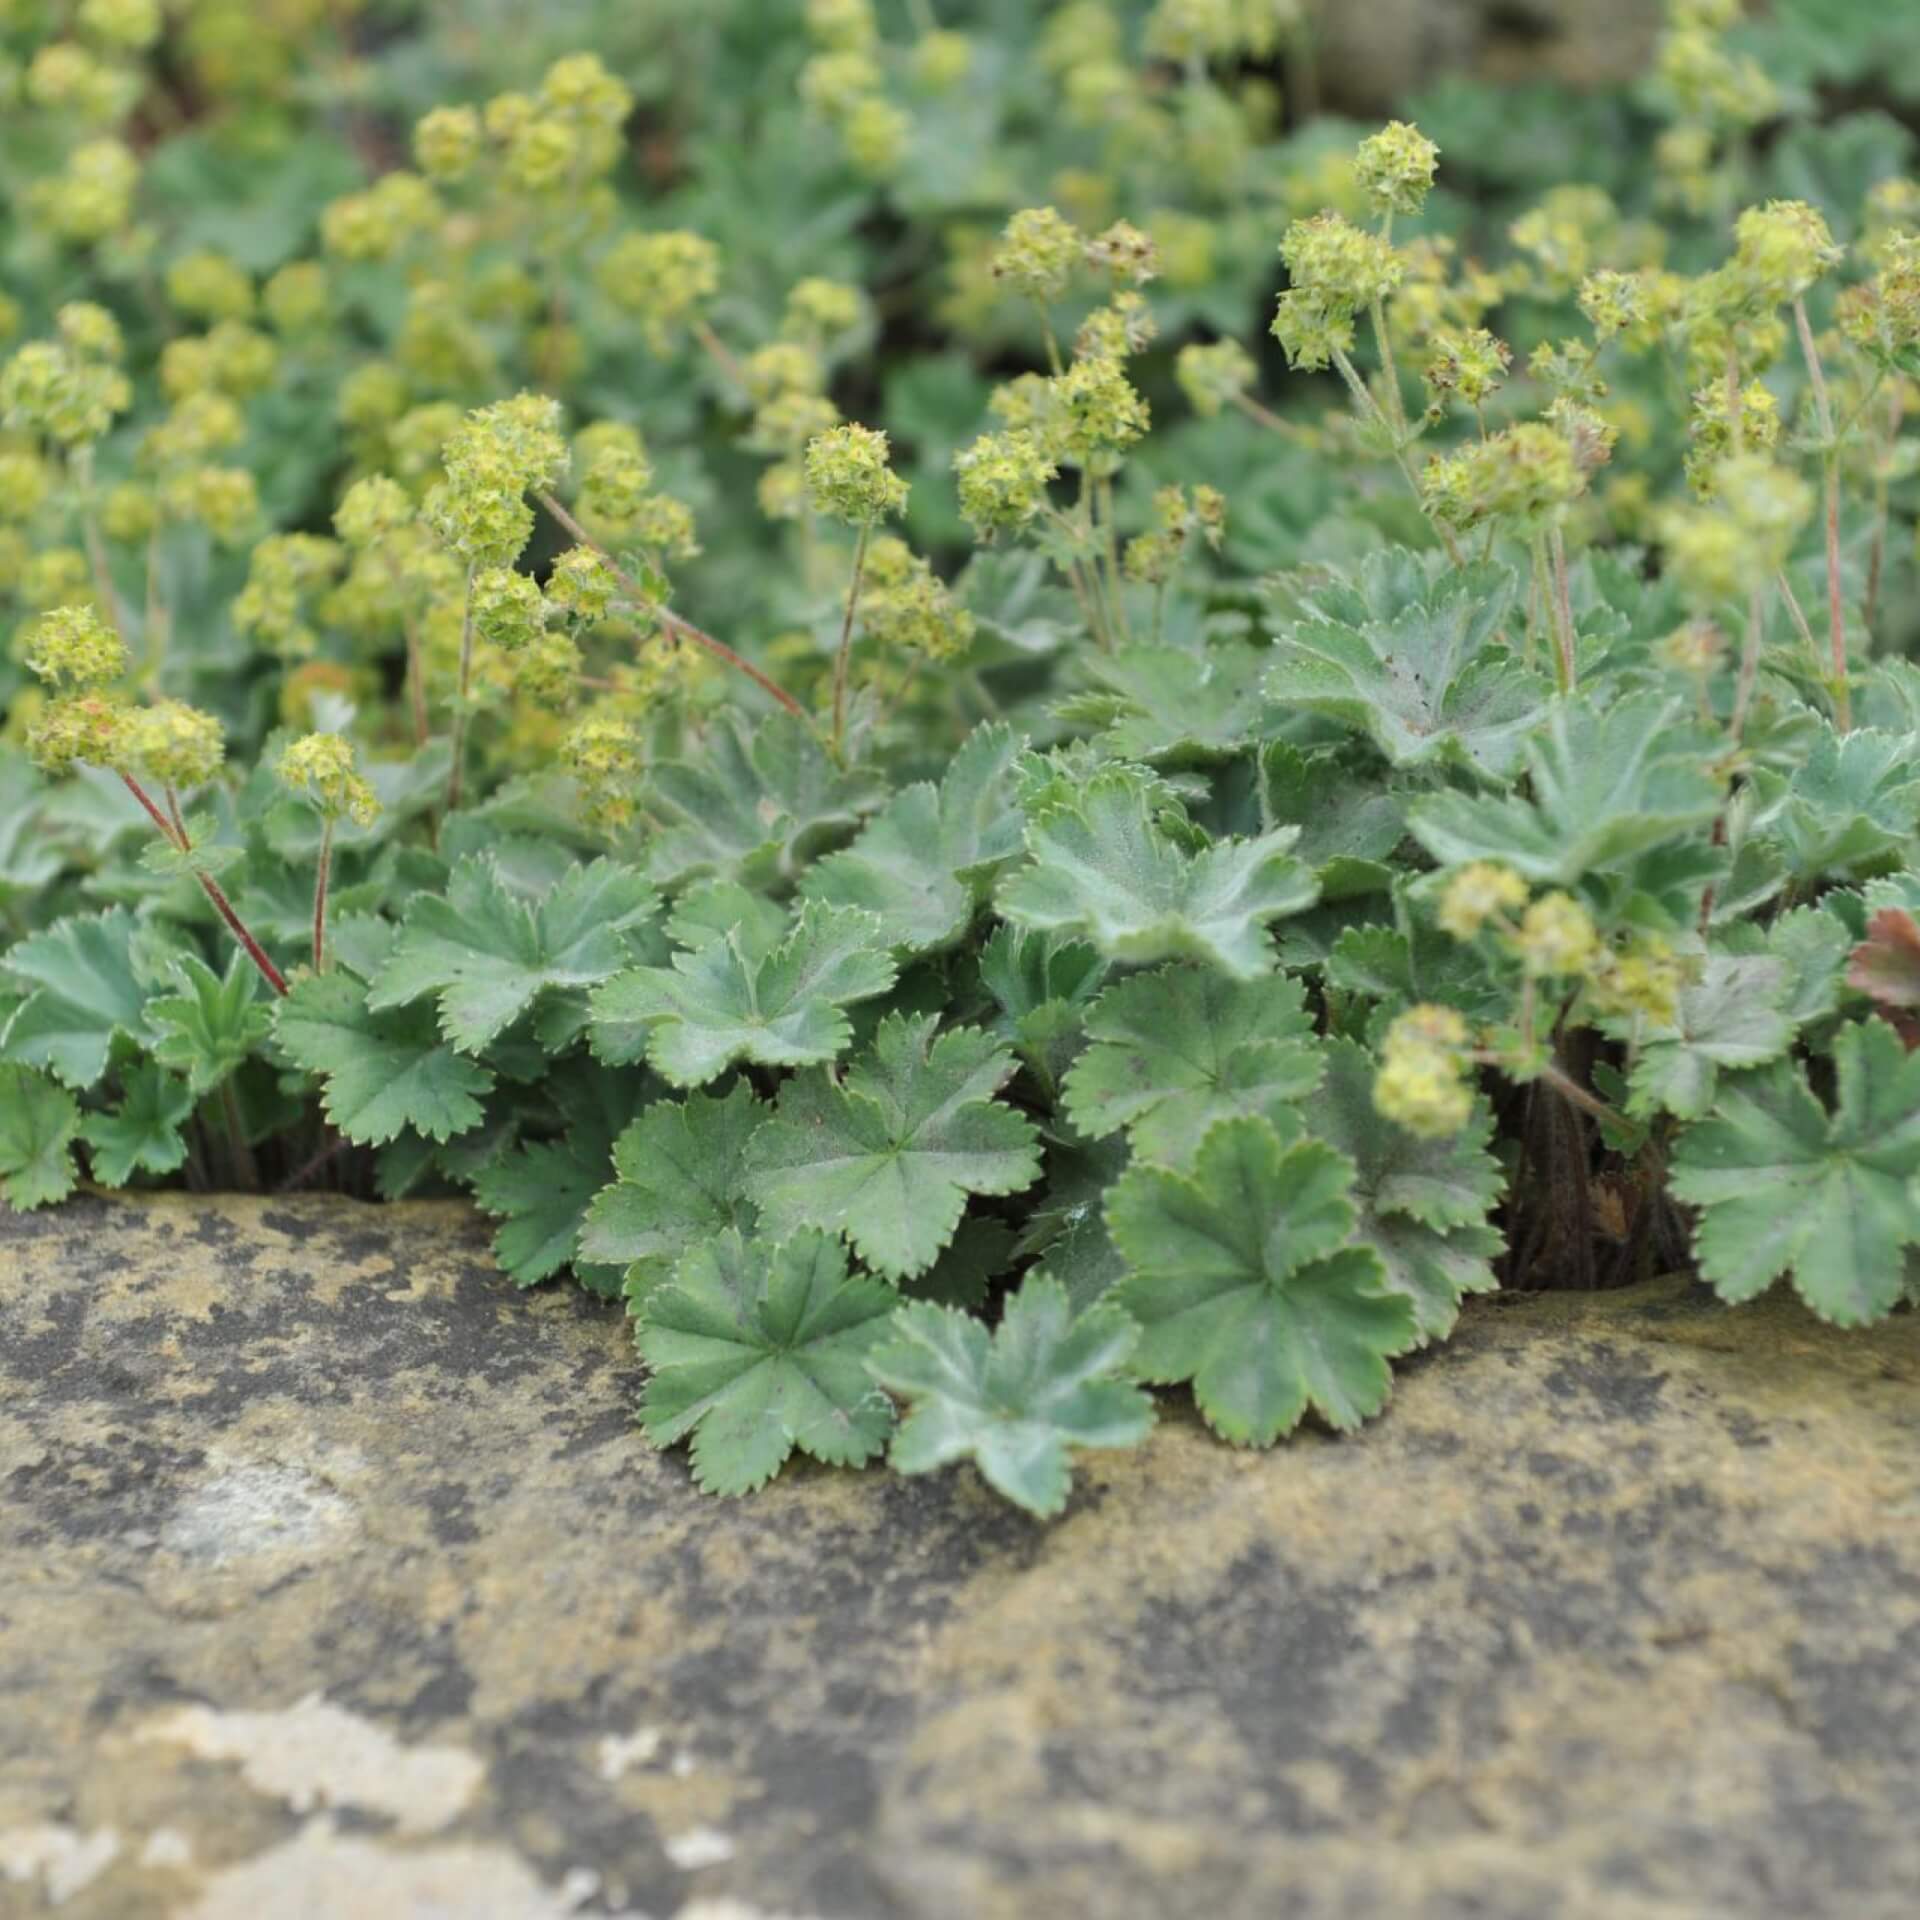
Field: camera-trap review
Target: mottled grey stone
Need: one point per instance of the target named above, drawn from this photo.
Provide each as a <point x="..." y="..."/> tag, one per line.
<point x="335" y="1581"/>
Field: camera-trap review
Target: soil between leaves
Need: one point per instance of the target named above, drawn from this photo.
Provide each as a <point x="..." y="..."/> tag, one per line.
<point x="1615" y="1613"/>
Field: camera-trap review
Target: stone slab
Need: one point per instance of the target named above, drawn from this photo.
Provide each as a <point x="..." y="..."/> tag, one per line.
<point x="335" y="1581"/>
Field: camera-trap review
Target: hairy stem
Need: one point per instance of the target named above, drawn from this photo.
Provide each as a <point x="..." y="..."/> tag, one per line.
<point x="1370" y="409"/>
<point x="1798" y="615"/>
<point x="1830" y="464"/>
<point x="1836" y="602"/>
<point x="1104" y="495"/>
<point x="719" y="352"/>
<point x="1274" y="423"/>
<point x="842" y="658"/>
<point x="1570" y="1090"/>
<point x="176" y="836"/>
<point x="457" y="773"/>
<point x="323" y="875"/>
<point x="671" y="620"/>
<point x="1563" y="610"/>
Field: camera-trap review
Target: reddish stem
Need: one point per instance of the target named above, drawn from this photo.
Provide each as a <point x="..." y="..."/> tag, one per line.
<point x="210" y="887"/>
<point x="668" y="618"/>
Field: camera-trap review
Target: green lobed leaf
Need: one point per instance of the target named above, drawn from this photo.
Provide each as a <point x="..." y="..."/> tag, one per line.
<point x="1421" y="1204"/>
<point x="89" y="974"/>
<point x="1786" y="1186"/>
<point x="211" y="1027"/>
<point x="143" y="1132"/>
<point x="487" y="954"/>
<point x="889" y="1155"/>
<point x="1430" y="682"/>
<point x="1244" y="1282"/>
<point x="758" y="1350"/>
<point x="1731" y="1017"/>
<point x="728" y="1000"/>
<point x="923" y="865"/>
<point x="761" y="798"/>
<point x="1853" y="800"/>
<point x="1017" y="1400"/>
<point x="1173" y="1051"/>
<point x="382" y="1071"/>
<point x="1607" y="784"/>
<point x="1175" y="706"/>
<point x="679" y="1180"/>
<point x="1103" y="870"/>
<point x="38" y="1123"/>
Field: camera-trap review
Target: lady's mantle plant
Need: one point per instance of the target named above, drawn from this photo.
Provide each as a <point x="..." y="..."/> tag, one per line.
<point x="1050" y="886"/>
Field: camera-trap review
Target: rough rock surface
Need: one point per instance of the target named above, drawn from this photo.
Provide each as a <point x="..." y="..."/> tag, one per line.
<point x="334" y="1581"/>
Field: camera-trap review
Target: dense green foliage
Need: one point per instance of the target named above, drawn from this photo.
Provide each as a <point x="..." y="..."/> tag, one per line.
<point x="971" y="710"/>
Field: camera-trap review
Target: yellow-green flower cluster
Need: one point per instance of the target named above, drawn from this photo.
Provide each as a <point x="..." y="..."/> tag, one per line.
<point x="285" y="572"/>
<point x="582" y="586"/>
<point x="1555" y="937"/>
<point x="1096" y="411"/>
<point x="68" y="388"/>
<point x="1395" y="168"/>
<point x="940" y="60"/>
<point x="1482" y="890"/>
<point x="1710" y="86"/>
<point x="127" y="26"/>
<point x="86" y="729"/>
<point x="844" y="84"/>
<point x="1780" y="250"/>
<point x="819" y="311"/>
<point x="208" y="286"/>
<point x="297" y="298"/>
<point x="1336" y="269"/>
<point x="603" y="755"/>
<point x="497" y="456"/>
<point x="372" y="508"/>
<point x="446" y="143"/>
<point x="1524" y="475"/>
<point x="74" y="650"/>
<point x="1152" y="557"/>
<point x="1743" y="537"/>
<point x="1568" y="235"/>
<point x="175" y="744"/>
<point x="320" y="767"/>
<point x="849" y="476"/>
<point x="1645" y="979"/>
<point x="508" y="608"/>
<point x="663" y="279"/>
<point x="569" y="134"/>
<point x="1468" y="365"/>
<point x="375" y="225"/>
<point x="26" y="481"/>
<point x="1881" y="316"/>
<point x="1710" y="430"/>
<point x="92" y="199"/>
<point x="1002" y="480"/>
<point x="1214" y="374"/>
<point x="1424" y="1079"/>
<point x="615" y="481"/>
<point x="1125" y="255"/>
<point x="1122" y="328"/>
<point x="905" y="606"/>
<point x="1613" y="301"/>
<point x="616" y="497"/>
<point x="1038" y="253"/>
